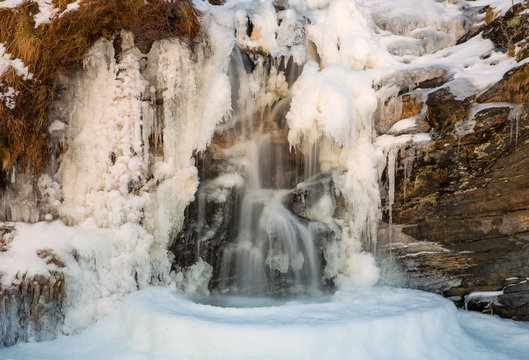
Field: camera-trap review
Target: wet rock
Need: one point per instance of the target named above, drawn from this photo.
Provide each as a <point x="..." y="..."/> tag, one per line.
<point x="514" y="302"/>
<point x="31" y="309"/>
<point x="307" y="195"/>
<point x="208" y="226"/>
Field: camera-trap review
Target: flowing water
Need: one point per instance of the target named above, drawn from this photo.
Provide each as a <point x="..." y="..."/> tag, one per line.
<point x="274" y="249"/>
<point x="274" y="252"/>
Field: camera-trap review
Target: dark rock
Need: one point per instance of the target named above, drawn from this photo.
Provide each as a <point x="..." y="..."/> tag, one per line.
<point x="514" y="303"/>
<point x="474" y="30"/>
<point x="208" y="226"/>
<point x="434" y="82"/>
<point x="516" y="288"/>
<point x="462" y="211"/>
<point x="444" y="110"/>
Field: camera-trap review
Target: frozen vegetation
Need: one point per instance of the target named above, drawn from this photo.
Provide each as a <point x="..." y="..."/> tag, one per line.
<point x="117" y="202"/>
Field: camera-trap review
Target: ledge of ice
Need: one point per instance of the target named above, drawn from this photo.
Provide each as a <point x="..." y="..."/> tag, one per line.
<point x="377" y="323"/>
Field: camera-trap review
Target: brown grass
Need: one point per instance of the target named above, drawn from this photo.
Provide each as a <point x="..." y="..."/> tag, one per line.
<point x="61" y="45"/>
<point x="518" y="84"/>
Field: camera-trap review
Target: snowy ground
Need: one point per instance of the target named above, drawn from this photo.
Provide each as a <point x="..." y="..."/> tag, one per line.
<point x="377" y="323"/>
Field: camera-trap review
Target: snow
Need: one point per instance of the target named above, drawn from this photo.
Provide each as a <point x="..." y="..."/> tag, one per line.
<point x="498" y="5"/>
<point x="8" y="95"/>
<point x="47" y="11"/>
<point x="105" y="153"/>
<point x="6" y="62"/>
<point x="403" y="126"/>
<point x="229" y="180"/>
<point x="71" y="7"/>
<point x="377" y="323"/>
<point x="334" y="102"/>
<point x="102" y="265"/>
<point x="344" y="35"/>
<point x="475" y="65"/>
<point x="483" y="294"/>
<point x="430" y="25"/>
<point x="10" y="4"/>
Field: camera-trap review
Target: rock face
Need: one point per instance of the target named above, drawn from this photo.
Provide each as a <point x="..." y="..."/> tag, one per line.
<point x="31" y="307"/>
<point x="462" y="211"/>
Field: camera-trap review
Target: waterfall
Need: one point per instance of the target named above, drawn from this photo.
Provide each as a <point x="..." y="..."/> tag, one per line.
<point x="274" y="250"/>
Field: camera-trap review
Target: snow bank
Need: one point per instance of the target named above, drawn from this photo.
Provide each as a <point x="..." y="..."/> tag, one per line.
<point x="378" y="323"/>
<point x="475" y="65"/>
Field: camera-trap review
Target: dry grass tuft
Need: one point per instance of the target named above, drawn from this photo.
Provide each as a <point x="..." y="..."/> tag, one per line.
<point x="61" y="45"/>
<point x="518" y="84"/>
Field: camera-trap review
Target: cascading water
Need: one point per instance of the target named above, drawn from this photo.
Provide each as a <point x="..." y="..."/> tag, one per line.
<point x="274" y="250"/>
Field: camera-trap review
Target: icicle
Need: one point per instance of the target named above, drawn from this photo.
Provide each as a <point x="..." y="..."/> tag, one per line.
<point x="391" y="190"/>
<point x="408" y="168"/>
<point x="405" y="180"/>
<point x="514" y="118"/>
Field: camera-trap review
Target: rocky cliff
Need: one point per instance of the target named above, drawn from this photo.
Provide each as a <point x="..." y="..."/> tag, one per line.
<point x="461" y="210"/>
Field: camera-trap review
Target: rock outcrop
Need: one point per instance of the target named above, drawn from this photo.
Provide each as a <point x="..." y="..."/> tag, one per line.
<point x="31" y="306"/>
<point x="461" y="212"/>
